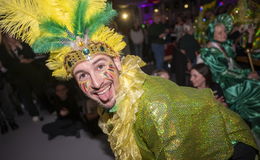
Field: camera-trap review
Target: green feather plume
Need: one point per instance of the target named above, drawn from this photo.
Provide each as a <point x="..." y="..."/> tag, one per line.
<point x="46" y="44"/>
<point x="78" y="19"/>
<point x="100" y="19"/>
<point x="50" y="26"/>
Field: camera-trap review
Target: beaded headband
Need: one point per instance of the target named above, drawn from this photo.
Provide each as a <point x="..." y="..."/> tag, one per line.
<point x="75" y="57"/>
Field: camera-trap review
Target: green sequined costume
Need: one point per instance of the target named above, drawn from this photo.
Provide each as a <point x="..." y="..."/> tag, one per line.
<point x="171" y="122"/>
<point x="242" y="94"/>
<point x="183" y="123"/>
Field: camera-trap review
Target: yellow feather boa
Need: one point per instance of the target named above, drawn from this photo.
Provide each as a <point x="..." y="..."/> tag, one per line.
<point x="119" y="126"/>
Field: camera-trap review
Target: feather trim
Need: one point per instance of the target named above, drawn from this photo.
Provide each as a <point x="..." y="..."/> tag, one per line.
<point x="19" y="18"/>
<point x="60" y="11"/>
<point x="94" y="6"/>
<point x="111" y="38"/>
<point x="78" y="19"/>
<point x="47" y="44"/>
<point x="54" y="28"/>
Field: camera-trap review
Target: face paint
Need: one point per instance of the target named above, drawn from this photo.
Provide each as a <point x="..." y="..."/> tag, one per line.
<point x="85" y="86"/>
<point x="98" y="79"/>
<point x="109" y="72"/>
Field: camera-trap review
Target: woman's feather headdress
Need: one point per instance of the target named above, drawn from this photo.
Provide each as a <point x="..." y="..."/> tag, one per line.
<point x="71" y="30"/>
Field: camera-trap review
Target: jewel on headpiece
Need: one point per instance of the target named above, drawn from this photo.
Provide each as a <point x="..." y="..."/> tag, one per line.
<point x="102" y="48"/>
<point x="86" y="51"/>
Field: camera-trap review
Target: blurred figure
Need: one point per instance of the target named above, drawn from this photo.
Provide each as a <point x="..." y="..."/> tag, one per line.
<point x="137" y="38"/>
<point x="91" y="117"/>
<point x="179" y="64"/>
<point x="68" y="121"/>
<point x="161" y="73"/>
<point x="7" y="110"/>
<point x="242" y="36"/>
<point x="22" y="74"/>
<point x="200" y="77"/>
<point x="157" y="33"/>
<point x="188" y="45"/>
<point x="178" y="29"/>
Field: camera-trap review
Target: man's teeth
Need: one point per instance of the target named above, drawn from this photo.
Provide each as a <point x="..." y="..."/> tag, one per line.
<point x="104" y="91"/>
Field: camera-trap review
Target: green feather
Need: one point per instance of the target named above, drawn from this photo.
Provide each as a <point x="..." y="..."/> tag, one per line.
<point x="78" y="19"/>
<point x="100" y="19"/>
<point x="47" y="44"/>
<point x="53" y="27"/>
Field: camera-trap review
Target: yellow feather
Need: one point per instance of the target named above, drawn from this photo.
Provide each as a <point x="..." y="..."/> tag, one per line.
<point x="61" y="73"/>
<point x="59" y="10"/>
<point x="94" y="6"/>
<point x="111" y="38"/>
<point x="20" y="19"/>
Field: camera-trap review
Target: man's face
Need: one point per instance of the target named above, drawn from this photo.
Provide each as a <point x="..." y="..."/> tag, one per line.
<point x="98" y="78"/>
<point x="220" y="33"/>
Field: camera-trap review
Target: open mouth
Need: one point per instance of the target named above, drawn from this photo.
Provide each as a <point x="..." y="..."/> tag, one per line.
<point x="105" y="94"/>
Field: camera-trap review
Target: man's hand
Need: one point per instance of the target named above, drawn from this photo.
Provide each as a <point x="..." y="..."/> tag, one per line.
<point x="12" y="44"/>
<point x="253" y="75"/>
<point x="26" y="60"/>
<point x="221" y="100"/>
<point x="163" y="36"/>
<point x="64" y="112"/>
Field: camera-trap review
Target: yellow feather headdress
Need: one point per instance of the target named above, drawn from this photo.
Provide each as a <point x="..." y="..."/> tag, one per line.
<point x="71" y="30"/>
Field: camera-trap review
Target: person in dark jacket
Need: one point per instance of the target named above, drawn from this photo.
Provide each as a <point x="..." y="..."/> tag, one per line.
<point x="68" y="121"/>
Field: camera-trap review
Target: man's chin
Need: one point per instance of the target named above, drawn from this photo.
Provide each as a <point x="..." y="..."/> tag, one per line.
<point x="107" y="105"/>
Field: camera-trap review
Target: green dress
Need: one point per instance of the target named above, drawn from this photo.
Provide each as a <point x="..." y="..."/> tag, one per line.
<point x="155" y="119"/>
<point x="242" y="94"/>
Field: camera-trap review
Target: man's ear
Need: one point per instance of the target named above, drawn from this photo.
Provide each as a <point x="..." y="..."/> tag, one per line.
<point x="117" y="62"/>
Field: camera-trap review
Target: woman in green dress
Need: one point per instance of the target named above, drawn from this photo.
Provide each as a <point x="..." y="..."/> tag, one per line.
<point x="241" y="86"/>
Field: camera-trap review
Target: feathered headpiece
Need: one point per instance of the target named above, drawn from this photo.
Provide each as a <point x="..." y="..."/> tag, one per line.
<point x="71" y="30"/>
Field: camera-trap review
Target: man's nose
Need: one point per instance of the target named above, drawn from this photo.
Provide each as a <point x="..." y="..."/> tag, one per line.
<point x="97" y="80"/>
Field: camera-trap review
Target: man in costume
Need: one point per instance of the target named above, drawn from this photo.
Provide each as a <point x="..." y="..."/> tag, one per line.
<point x="145" y="117"/>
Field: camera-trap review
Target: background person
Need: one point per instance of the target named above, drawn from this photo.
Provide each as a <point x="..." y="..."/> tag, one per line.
<point x="200" y="77"/>
<point x="157" y="33"/>
<point x="137" y="38"/>
<point x="241" y="86"/>
<point x="68" y="121"/>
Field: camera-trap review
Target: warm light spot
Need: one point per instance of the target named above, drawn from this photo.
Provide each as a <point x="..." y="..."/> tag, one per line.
<point x="124" y="16"/>
<point x="156" y="10"/>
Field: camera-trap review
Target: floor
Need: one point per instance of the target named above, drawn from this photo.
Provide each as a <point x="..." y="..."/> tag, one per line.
<point x="29" y="143"/>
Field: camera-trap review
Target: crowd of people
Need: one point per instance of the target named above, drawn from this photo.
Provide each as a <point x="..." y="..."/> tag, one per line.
<point x="27" y="87"/>
<point x="144" y="116"/>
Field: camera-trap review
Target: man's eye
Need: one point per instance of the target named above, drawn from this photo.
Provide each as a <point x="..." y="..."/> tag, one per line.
<point x="100" y="67"/>
<point x="82" y="76"/>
